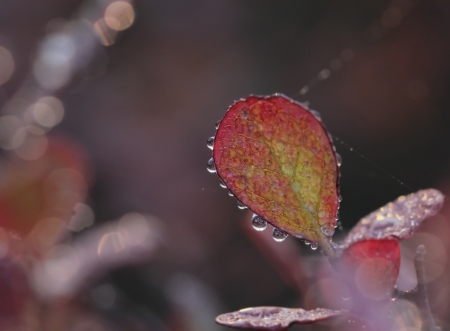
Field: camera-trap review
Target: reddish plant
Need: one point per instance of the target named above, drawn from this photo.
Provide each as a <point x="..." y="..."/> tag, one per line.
<point x="276" y="157"/>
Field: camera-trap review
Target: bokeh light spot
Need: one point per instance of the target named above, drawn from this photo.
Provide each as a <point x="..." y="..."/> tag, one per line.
<point x="83" y="217"/>
<point x="31" y="143"/>
<point x="47" y="112"/>
<point x="119" y="15"/>
<point x="134" y="228"/>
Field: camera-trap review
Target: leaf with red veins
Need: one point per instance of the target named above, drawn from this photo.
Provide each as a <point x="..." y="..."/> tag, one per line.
<point x="274" y="318"/>
<point x="399" y="219"/>
<point x="371" y="267"/>
<point x="277" y="158"/>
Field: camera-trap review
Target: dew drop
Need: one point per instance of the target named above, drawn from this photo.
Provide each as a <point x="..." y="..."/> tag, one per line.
<point x="211" y="166"/>
<point x="241" y="205"/>
<point x="314" y="246"/>
<point x="338" y="159"/>
<point x="259" y="223"/>
<point x="340" y="198"/>
<point x="316" y="115"/>
<point x="307" y="242"/>
<point x="279" y="235"/>
<point x="244" y="114"/>
<point x="230" y="194"/>
<point x="210" y="142"/>
<point x="217" y="124"/>
<point x="324" y="74"/>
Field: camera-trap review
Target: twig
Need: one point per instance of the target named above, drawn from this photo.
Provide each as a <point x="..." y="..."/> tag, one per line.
<point x="422" y="295"/>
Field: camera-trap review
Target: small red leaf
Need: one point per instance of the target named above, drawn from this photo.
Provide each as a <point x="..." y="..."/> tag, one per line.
<point x="372" y="266"/>
<point x="277" y="158"/>
<point x="274" y="318"/>
<point x="399" y="219"/>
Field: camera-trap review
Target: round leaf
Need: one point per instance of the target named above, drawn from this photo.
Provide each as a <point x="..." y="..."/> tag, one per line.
<point x="277" y="158"/>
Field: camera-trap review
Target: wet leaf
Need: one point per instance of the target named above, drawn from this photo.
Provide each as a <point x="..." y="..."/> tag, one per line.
<point x="371" y="267"/>
<point x="399" y="219"/>
<point x="274" y="318"/>
<point x="277" y="158"/>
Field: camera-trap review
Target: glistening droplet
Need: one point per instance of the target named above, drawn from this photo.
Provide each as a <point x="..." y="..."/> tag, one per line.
<point x="314" y="246"/>
<point x="211" y="166"/>
<point x="217" y="124"/>
<point x="338" y="159"/>
<point x="222" y="184"/>
<point x="307" y="242"/>
<point x="279" y="235"/>
<point x="210" y="142"/>
<point x="244" y="114"/>
<point x="241" y="205"/>
<point x="259" y="223"/>
<point x="316" y="115"/>
<point x="230" y="194"/>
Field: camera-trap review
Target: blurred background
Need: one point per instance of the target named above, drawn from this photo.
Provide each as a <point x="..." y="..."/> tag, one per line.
<point x="109" y="218"/>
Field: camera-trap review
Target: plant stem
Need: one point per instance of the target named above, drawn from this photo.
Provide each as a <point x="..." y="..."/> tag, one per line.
<point x="329" y="250"/>
<point x="422" y="295"/>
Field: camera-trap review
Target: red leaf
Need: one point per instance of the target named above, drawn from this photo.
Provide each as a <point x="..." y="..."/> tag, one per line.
<point x="277" y="158"/>
<point x="399" y="219"/>
<point x="45" y="188"/>
<point x="274" y="318"/>
<point x="371" y="267"/>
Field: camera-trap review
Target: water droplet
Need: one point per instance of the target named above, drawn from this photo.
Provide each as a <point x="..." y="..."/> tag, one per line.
<point x="338" y="159"/>
<point x="279" y="235"/>
<point x="230" y="194"/>
<point x="340" y="198"/>
<point x="244" y="114"/>
<point x="241" y="205"/>
<point x="259" y="223"/>
<point x="326" y="230"/>
<point x="307" y="242"/>
<point x="210" y="142"/>
<point x="217" y="124"/>
<point x="211" y="166"/>
<point x="316" y="115"/>
<point x="314" y="246"/>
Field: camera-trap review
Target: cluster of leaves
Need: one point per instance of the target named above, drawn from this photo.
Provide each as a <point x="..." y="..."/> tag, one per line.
<point x="276" y="157"/>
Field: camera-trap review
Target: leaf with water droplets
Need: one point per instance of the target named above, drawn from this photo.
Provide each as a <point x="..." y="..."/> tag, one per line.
<point x="371" y="267"/>
<point x="277" y="158"/>
<point x="399" y="219"/>
<point x="274" y="318"/>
